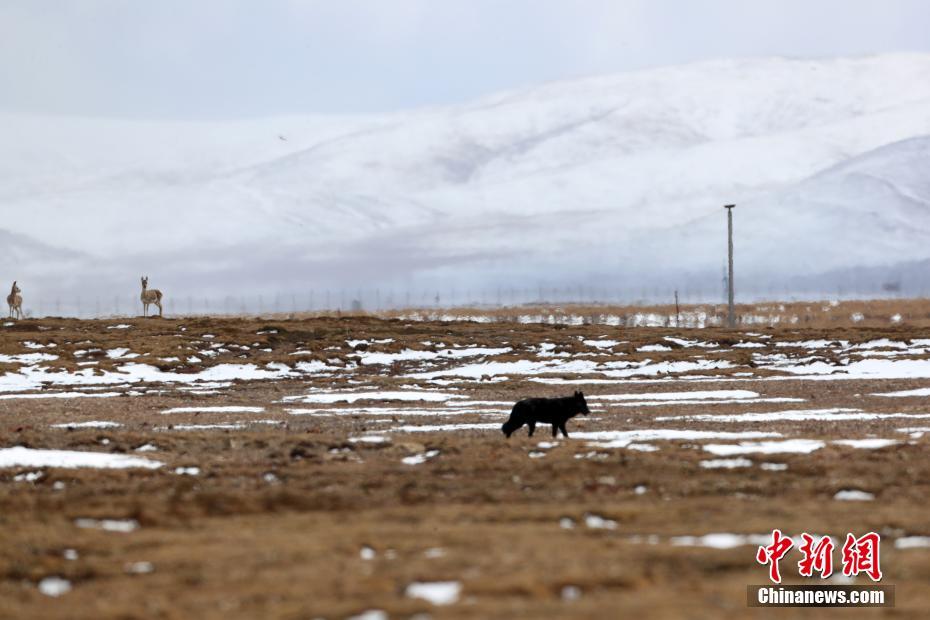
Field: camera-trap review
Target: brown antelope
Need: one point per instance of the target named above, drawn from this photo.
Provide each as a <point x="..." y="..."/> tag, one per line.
<point x="149" y="297"/>
<point x="15" y="301"/>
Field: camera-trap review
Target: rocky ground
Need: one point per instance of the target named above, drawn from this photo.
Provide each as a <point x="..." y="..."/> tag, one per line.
<point x="333" y="467"/>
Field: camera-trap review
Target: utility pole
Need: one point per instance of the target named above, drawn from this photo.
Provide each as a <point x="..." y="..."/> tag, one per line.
<point x="731" y="312"/>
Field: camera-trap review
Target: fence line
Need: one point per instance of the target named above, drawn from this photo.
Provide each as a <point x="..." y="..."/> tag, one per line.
<point x="393" y="299"/>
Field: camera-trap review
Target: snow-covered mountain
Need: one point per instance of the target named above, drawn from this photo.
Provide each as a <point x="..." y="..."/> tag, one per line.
<point x="615" y="181"/>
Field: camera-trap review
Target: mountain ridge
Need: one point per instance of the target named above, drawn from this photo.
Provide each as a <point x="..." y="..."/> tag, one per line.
<point x="605" y="161"/>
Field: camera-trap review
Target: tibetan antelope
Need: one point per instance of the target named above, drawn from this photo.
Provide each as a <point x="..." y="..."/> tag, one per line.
<point x="149" y="297"/>
<point x="15" y="301"/>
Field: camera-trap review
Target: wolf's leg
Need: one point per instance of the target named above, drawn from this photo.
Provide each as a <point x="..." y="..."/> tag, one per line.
<point x="562" y="428"/>
<point x="555" y="430"/>
<point x="532" y="426"/>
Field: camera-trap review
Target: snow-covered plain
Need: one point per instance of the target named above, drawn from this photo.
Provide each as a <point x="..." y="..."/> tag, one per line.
<point x="434" y="383"/>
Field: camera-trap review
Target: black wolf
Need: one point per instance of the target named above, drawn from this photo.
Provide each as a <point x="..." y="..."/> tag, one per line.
<point x="554" y="411"/>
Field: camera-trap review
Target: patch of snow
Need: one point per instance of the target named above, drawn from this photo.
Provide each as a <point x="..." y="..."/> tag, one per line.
<point x="436" y="592"/>
<point x="518" y="367"/>
<point x="65" y="395"/>
<point x="653" y="347"/>
<point x="369" y="358"/>
<point x="720" y="540"/>
<point x="813" y="344"/>
<point x="915" y="432"/>
<point x="419" y="459"/>
<point x="868" y="368"/>
<point x="437" y="428"/>
<point x="91" y="424"/>
<point x="33" y="377"/>
<point x="370" y="439"/>
<point x="30" y="476"/>
<point x="615" y="369"/>
<point x="773" y="466"/>
<point x="665" y="403"/>
<point x="69" y="459"/>
<point x="27" y="358"/>
<point x="121" y="353"/>
<point x="880" y="343"/>
<point x="853" y="495"/>
<point x="208" y="427"/>
<point x="799" y="446"/>
<point x="726" y="463"/>
<point x="139" y="568"/>
<point x="223" y="409"/>
<point x="912" y="542"/>
<point x="690" y="344"/>
<point x="920" y="392"/>
<point x="54" y="586"/>
<point x="670" y="396"/>
<point x="622" y="439"/>
<point x="351" y="397"/>
<point x="123" y="526"/>
<point x="370" y="614"/>
<point x="867" y="444"/>
<point x="794" y="415"/>
<point x="596" y="522"/>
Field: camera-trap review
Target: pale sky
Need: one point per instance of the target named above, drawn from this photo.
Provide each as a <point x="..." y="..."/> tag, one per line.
<point x="234" y="58"/>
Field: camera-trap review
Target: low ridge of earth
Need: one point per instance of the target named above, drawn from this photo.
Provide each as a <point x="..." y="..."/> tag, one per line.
<point x="331" y="467"/>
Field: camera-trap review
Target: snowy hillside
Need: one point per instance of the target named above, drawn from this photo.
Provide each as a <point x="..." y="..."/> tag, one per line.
<point x="606" y="180"/>
<point x="871" y="210"/>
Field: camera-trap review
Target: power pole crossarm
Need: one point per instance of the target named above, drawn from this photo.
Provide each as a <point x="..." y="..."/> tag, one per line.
<point x="731" y="312"/>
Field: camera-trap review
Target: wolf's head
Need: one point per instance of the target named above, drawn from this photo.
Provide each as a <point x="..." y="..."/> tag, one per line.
<point x="582" y="404"/>
<point x="509" y="427"/>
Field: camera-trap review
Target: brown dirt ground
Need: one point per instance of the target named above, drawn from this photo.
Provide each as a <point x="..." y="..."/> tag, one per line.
<point x="234" y="542"/>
